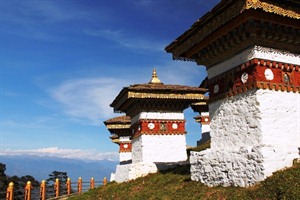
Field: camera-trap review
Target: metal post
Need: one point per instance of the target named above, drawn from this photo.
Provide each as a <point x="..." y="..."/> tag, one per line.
<point x="92" y="183"/>
<point x="28" y="188"/>
<point x="68" y="186"/>
<point x="10" y="191"/>
<point x="79" y="185"/>
<point x="43" y="190"/>
<point x="56" y="187"/>
<point x="104" y="181"/>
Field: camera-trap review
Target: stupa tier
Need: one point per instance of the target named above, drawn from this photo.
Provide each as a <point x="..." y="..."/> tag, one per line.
<point x="119" y="127"/>
<point x="251" y="50"/>
<point x="155" y="97"/>
<point x="157" y="119"/>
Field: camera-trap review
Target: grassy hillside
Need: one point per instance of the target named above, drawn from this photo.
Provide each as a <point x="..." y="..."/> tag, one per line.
<point x="176" y="184"/>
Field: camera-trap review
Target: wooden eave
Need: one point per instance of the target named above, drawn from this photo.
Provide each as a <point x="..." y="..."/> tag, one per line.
<point x="215" y="19"/>
<point x="198" y="118"/>
<point x="199" y="24"/>
<point x="159" y="92"/>
<point x="201" y="106"/>
<point x="120" y="120"/>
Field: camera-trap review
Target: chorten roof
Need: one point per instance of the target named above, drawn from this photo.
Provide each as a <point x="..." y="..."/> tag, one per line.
<point x="233" y="25"/>
<point x="201" y="106"/>
<point x="154" y="96"/>
<point x="118" y="127"/>
<point x="120" y="120"/>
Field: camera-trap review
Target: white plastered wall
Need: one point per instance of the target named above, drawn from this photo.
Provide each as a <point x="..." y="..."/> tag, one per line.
<point x="125" y="156"/>
<point x="159" y="148"/>
<point x="280" y="124"/>
<point x="253" y="134"/>
<point x="264" y="118"/>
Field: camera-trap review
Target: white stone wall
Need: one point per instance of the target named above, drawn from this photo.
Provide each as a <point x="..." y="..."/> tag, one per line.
<point x="280" y="124"/>
<point x="125" y="156"/>
<point x="252" y="135"/>
<point x="132" y="171"/>
<point x="159" y="148"/>
<point x="137" y="151"/>
<point x="112" y="177"/>
<point x="227" y="168"/>
<point x="235" y="122"/>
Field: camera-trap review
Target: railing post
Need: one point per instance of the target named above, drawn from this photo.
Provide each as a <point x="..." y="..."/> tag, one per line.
<point x="79" y="185"/>
<point x="104" y="181"/>
<point x="28" y="188"/>
<point x="56" y="187"/>
<point x="92" y="183"/>
<point x="10" y="191"/>
<point x="68" y="186"/>
<point x="43" y="190"/>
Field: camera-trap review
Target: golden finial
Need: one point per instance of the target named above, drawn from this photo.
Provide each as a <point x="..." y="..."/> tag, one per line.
<point x="155" y="79"/>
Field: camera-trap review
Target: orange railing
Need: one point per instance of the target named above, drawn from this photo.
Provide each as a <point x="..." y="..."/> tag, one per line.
<point x="47" y="192"/>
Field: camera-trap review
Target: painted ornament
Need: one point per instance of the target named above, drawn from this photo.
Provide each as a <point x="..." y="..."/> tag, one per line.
<point x="151" y="126"/>
<point x="174" y="126"/>
<point x="269" y="74"/>
<point x="244" y="77"/>
<point x="216" y="88"/>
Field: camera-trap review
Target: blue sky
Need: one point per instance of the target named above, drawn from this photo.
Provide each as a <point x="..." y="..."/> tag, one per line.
<point x="64" y="61"/>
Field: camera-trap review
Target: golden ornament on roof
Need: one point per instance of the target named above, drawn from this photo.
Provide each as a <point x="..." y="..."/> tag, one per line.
<point x="155" y="79"/>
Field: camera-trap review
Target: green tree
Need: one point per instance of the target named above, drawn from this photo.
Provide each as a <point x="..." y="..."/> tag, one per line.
<point x="62" y="176"/>
<point x="19" y="183"/>
<point x="18" y="187"/>
<point x="34" y="182"/>
<point x="3" y="180"/>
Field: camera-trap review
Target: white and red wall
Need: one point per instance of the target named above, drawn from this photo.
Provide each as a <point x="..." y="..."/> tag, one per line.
<point x="255" y="115"/>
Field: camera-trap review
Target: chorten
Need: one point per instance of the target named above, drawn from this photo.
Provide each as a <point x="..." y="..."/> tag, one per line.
<point x="157" y="122"/>
<point x="251" y="50"/>
<point x="119" y="127"/>
<point x="203" y="118"/>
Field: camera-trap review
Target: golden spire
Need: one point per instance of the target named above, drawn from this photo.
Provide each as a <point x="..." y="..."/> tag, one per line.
<point x="155" y="79"/>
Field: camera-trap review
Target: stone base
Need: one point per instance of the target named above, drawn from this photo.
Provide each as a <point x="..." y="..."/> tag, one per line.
<point x="223" y="168"/>
<point x="132" y="171"/>
<point x="112" y="177"/>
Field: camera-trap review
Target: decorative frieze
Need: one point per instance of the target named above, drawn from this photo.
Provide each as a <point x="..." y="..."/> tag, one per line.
<point x="125" y="147"/>
<point x="256" y="73"/>
<point x="205" y="120"/>
<point x="158" y="127"/>
<point x="250" y="53"/>
<point x="271" y="8"/>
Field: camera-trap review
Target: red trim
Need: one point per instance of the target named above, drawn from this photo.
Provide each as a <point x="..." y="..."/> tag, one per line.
<point x="286" y="78"/>
<point x="123" y="149"/>
<point x="203" y="118"/>
<point x="161" y="127"/>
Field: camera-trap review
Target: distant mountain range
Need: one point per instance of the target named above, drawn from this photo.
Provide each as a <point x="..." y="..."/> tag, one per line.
<point x="41" y="167"/>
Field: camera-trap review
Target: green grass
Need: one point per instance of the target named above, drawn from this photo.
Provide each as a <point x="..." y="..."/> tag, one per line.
<point x="176" y="184"/>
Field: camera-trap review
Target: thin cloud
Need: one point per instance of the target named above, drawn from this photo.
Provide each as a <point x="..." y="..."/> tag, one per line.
<point x="38" y="123"/>
<point x="127" y="41"/>
<point x="89" y="98"/>
<point x="27" y="13"/>
<point x="62" y="153"/>
<point x="39" y="19"/>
